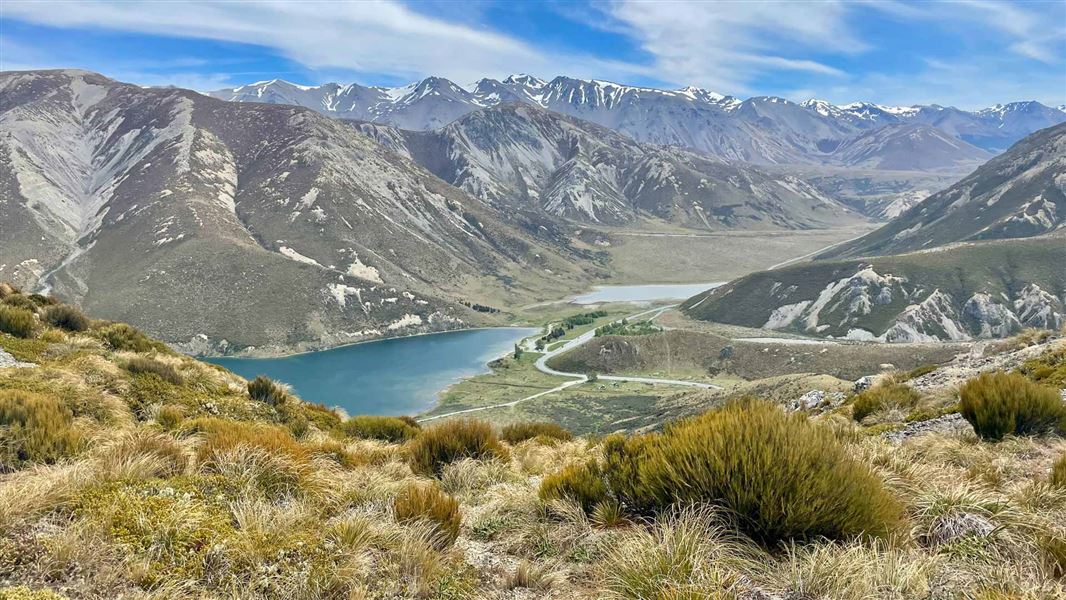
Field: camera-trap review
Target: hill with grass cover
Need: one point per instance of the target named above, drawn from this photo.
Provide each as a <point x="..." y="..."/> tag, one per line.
<point x="966" y="291"/>
<point x="129" y="470"/>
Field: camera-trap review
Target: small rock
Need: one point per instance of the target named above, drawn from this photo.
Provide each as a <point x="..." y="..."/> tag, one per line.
<point x="887" y="367"/>
<point x="6" y="360"/>
<point x="815" y="400"/>
<point x="864" y="383"/>
<point x="943" y="424"/>
<point x="956" y="526"/>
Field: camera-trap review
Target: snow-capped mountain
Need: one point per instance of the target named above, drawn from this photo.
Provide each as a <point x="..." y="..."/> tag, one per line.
<point x="763" y="130"/>
<point x="516" y="155"/>
<point x="231" y="225"/>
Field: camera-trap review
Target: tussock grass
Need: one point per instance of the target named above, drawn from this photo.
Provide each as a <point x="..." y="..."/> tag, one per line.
<point x="530" y="576"/>
<point x="122" y="337"/>
<point x="35" y="428"/>
<point x="263" y="389"/>
<point x="66" y="317"/>
<point x="450" y="441"/>
<point x="387" y="429"/>
<point x="1058" y="473"/>
<point x="999" y="404"/>
<point x="520" y="432"/>
<point x="21" y="301"/>
<point x="140" y="365"/>
<point x="884" y="396"/>
<point x="426" y="502"/>
<point x="16" y="321"/>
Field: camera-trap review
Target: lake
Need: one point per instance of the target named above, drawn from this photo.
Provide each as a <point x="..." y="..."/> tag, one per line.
<point x="643" y="293"/>
<point x="400" y="376"/>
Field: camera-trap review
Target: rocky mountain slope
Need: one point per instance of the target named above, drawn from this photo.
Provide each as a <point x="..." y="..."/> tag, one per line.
<point x="229" y="225"/>
<point x="1020" y="193"/>
<point x="521" y="156"/>
<point x="966" y="291"/>
<point x="765" y="130"/>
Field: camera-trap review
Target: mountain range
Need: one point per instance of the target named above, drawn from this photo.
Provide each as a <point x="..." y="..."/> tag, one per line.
<point x="981" y="259"/>
<point x="223" y="226"/>
<point x="761" y="130"/>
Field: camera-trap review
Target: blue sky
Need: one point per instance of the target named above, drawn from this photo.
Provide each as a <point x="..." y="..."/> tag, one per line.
<point x="963" y="53"/>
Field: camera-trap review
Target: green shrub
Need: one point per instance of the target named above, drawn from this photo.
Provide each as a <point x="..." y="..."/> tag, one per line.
<point x="373" y="427"/>
<point x="140" y="365"/>
<point x="520" y="432"/>
<point x="998" y="404"/>
<point x="420" y="502"/>
<point x="120" y="336"/>
<point x="1058" y="472"/>
<point x="21" y="301"/>
<point x="1049" y="368"/>
<point x="65" y="316"/>
<point x="450" y="441"/>
<point x="265" y="390"/>
<point x="42" y="300"/>
<point x="24" y="593"/>
<point x="34" y="428"/>
<point x="880" y="397"/>
<point x="581" y="483"/>
<point x="19" y="322"/>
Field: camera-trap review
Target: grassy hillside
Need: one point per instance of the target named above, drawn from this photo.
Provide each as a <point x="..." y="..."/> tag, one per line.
<point x="129" y="470"/>
<point x="999" y="269"/>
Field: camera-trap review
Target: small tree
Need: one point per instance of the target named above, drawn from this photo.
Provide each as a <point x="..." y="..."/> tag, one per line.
<point x="517" y="352"/>
<point x="593" y="376"/>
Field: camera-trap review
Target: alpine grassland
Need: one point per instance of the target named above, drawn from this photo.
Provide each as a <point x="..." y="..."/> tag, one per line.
<point x="130" y="470"/>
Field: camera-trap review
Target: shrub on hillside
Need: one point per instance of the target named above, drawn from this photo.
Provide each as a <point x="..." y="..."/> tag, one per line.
<point x="999" y="404"/>
<point x="120" y="336"/>
<point x="582" y="484"/>
<point x="140" y="365"/>
<point x="21" y="301"/>
<point x="265" y="389"/>
<point x="520" y="432"/>
<point x="880" y="397"/>
<point x="1049" y="368"/>
<point x="427" y="503"/>
<point x="34" y="428"/>
<point x="450" y="441"/>
<point x="67" y="317"/>
<point x="388" y="429"/>
<point x="6" y="289"/>
<point x="18" y="322"/>
<point x="782" y="476"/>
<point x="1058" y="472"/>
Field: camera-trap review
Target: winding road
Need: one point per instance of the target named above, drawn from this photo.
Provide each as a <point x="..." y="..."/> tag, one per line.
<point x="579" y="378"/>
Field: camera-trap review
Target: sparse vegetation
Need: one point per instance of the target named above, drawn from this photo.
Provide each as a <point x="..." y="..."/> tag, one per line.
<point x="999" y="404"/>
<point x="450" y="441"/>
<point x="66" y="317"/>
<point x="18" y="322"/>
<point x="387" y="429"/>
<point x="426" y="502"/>
<point x="520" y="432"/>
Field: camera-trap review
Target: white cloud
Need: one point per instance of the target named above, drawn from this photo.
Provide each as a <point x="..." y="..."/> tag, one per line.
<point x="378" y="36"/>
<point x="726" y="46"/>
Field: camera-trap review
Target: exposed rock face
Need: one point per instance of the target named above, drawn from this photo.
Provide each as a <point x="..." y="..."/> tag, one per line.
<point x="6" y="361"/>
<point x="960" y="293"/>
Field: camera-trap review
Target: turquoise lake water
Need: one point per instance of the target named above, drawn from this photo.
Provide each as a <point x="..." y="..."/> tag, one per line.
<point x="399" y="376"/>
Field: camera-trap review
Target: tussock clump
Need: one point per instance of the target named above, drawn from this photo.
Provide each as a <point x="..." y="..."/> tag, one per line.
<point x="387" y="429"/>
<point x="18" y="322"/>
<point x="24" y="593"/>
<point x="1058" y="472"/>
<point x="999" y="404"/>
<point x="530" y="576"/>
<point x="422" y="502"/>
<point x="6" y="289"/>
<point x="21" y="301"/>
<point x="35" y="428"/>
<point x="266" y="390"/>
<point x="583" y="484"/>
<point x="146" y="366"/>
<point x="520" y="432"/>
<point x="66" y="317"/>
<point x="782" y="476"/>
<point x="448" y="442"/>
<point x="120" y="336"/>
<point x="884" y="396"/>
